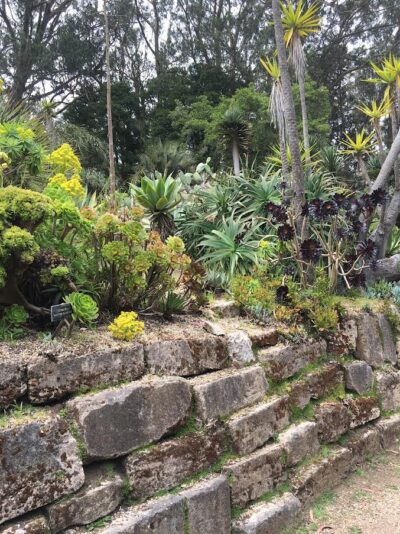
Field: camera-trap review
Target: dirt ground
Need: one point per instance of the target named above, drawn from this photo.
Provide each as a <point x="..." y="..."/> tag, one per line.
<point x="368" y="502"/>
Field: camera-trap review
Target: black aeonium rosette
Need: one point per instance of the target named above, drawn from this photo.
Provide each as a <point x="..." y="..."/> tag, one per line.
<point x="310" y="250"/>
<point x="282" y="294"/>
<point x="285" y="232"/>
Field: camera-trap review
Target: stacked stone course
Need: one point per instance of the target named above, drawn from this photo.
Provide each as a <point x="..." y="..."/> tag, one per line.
<point x="199" y="435"/>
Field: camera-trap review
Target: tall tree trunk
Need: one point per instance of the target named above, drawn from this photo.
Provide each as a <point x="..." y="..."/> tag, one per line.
<point x="304" y="117"/>
<point x="390" y="213"/>
<point x="363" y="171"/>
<point x="290" y="115"/>
<point x="378" y="133"/>
<point x="109" y="114"/>
<point x="395" y="129"/>
<point x="235" y="157"/>
<point x="387" y="167"/>
<point x="285" y="163"/>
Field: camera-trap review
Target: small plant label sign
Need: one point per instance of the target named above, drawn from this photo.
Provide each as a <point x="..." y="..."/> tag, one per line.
<point x="60" y="312"/>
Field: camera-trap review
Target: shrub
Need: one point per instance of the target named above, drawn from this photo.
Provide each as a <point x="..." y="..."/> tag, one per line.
<point x="126" y="326"/>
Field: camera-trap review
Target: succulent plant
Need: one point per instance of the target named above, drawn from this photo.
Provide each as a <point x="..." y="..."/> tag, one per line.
<point x="126" y="326"/>
<point x="84" y="308"/>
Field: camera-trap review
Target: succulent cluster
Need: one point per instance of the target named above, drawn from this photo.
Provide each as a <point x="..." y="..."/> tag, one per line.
<point x="126" y="326"/>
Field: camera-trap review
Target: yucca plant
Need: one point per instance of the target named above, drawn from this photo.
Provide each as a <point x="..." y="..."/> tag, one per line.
<point x="358" y="147"/>
<point x="389" y="75"/>
<point x="159" y="196"/>
<point x="232" y="247"/>
<point x="376" y="112"/>
<point x="322" y="186"/>
<point x="298" y="23"/>
<point x="234" y="132"/>
<point x="276" y="108"/>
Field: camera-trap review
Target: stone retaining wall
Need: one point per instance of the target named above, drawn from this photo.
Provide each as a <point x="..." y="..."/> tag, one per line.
<point x="204" y="435"/>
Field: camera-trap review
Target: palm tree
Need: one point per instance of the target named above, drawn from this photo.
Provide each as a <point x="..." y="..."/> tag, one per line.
<point x="298" y="24"/>
<point x="375" y="113"/>
<point x="290" y="113"/>
<point x="276" y="108"/>
<point x="234" y="132"/>
<point x="358" y="147"/>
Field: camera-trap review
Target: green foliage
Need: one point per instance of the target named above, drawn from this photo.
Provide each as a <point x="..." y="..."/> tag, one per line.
<point x="318" y="108"/>
<point x="84" y="308"/>
<point x="26" y="154"/>
<point x="172" y="303"/>
<point x="159" y="196"/>
<point x="259" y="294"/>
<point x="12" y="321"/>
<point x="232" y="247"/>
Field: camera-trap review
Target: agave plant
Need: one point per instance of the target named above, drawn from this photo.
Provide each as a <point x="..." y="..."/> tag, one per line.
<point x="232" y="247"/>
<point x="331" y="160"/>
<point x="322" y="185"/>
<point x="258" y="192"/>
<point x="159" y="196"/>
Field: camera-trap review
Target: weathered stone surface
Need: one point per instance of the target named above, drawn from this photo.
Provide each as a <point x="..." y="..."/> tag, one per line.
<point x="254" y="475"/>
<point x="113" y="422"/>
<point x="344" y="339"/>
<point x="363" y="443"/>
<point x="389" y="430"/>
<point x="322" y="475"/>
<point x="269" y="518"/>
<point x="213" y="328"/>
<point x="240" y="347"/>
<point x="253" y="427"/>
<point x="221" y="393"/>
<point x="387" y="339"/>
<point x="30" y="524"/>
<point x="12" y="380"/>
<point x="315" y="385"/>
<point x="186" y="357"/>
<point x="362" y="410"/>
<point x="39" y="463"/>
<point x="208" y="507"/>
<point x="358" y="377"/>
<point x="299" y="441"/>
<point x="388" y="387"/>
<point x="375" y="343"/>
<point x="52" y="379"/>
<point x="225" y="308"/>
<point x="160" y="516"/>
<point x="266" y="337"/>
<point x="99" y="496"/>
<point x="333" y="420"/>
<point x="283" y="361"/>
<point x="169" y="463"/>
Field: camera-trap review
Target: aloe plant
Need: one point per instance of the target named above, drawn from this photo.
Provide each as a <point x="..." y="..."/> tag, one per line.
<point x="159" y="196"/>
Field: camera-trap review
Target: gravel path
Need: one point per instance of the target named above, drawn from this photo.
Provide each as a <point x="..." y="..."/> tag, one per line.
<point x="368" y="502"/>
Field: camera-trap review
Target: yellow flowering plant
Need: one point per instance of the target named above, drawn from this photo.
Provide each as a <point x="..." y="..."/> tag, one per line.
<point x="126" y="326"/>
